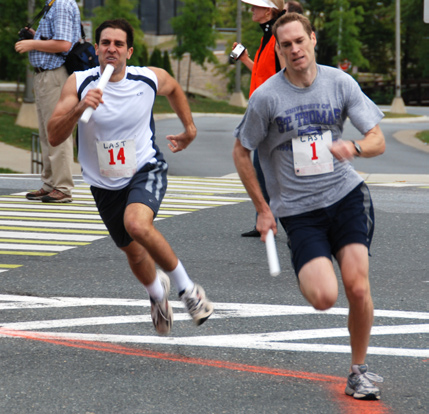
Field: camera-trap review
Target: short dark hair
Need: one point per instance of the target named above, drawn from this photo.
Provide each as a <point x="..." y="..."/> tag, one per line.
<point x="293" y="17"/>
<point x="116" y="24"/>
<point x="294" y="6"/>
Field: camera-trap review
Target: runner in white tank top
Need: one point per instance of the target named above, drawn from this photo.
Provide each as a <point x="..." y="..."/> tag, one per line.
<point x="126" y="171"/>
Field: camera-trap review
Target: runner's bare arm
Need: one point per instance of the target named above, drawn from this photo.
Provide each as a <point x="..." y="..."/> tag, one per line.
<point x="169" y="87"/>
<point x="247" y="174"/>
<point x="371" y="145"/>
<point x="68" y="111"/>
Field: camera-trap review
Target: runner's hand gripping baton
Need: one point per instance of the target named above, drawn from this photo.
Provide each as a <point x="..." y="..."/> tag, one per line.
<point x="107" y="73"/>
<point x="273" y="260"/>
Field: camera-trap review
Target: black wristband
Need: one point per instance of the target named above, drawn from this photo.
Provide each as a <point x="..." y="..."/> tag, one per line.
<point x="357" y="148"/>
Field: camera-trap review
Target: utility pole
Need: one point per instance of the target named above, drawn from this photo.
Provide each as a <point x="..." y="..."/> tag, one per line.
<point x="340" y="33"/>
<point x="28" y="95"/>
<point x="27" y="115"/>
<point x="237" y="98"/>
<point x="398" y="106"/>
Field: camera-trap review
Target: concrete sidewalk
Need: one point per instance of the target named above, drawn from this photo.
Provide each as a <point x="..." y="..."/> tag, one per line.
<point x="19" y="160"/>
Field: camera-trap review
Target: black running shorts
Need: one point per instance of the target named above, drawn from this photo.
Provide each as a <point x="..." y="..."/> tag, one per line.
<point x="323" y="232"/>
<point x="147" y="186"/>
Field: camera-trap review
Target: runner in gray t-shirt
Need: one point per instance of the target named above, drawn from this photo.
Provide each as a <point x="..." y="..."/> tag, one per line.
<point x="295" y="120"/>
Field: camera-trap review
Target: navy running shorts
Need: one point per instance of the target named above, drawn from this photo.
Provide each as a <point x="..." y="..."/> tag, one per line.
<point x="323" y="232"/>
<point x="147" y="186"/>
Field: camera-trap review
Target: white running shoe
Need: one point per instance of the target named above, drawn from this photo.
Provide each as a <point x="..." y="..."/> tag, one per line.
<point x="198" y="306"/>
<point x="360" y="386"/>
<point x="161" y="312"/>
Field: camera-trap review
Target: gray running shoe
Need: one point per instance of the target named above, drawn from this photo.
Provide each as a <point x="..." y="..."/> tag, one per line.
<point x="198" y="306"/>
<point x="161" y="312"/>
<point x="359" y="384"/>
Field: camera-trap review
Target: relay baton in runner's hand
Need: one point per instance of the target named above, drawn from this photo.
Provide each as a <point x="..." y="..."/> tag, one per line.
<point x="107" y="73"/>
<point x="273" y="260"/>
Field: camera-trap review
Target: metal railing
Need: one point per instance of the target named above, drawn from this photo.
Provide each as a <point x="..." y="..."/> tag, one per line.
<point x="36" y="154"/>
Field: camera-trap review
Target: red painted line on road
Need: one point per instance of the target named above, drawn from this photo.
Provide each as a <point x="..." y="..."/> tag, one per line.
<point x="348" y="405"/>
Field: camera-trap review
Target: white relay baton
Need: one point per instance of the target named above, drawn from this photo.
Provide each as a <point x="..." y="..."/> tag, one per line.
<point x="107" y="73"/>
<point x="273" y="260"/>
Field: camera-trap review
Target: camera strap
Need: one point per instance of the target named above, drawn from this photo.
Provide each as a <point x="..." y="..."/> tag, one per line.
<point x="41" y="13"/>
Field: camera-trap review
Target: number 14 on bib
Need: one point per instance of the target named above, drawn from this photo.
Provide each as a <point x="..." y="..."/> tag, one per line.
<point x="117" y="158"/>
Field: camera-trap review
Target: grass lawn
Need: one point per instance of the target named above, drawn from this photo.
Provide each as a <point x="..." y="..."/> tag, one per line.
<point x="423" y="136"/>
<point x="392" y="115"/>
<point x="9" y="132"/>
<point x="7" y="171"/>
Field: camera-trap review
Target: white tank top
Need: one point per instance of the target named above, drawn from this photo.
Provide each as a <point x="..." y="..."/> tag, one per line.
<point x="119" y="138"/>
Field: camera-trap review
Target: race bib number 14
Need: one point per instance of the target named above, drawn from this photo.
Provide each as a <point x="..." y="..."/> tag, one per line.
<point x="117" y="158"/>
<point x="311" y="154"/>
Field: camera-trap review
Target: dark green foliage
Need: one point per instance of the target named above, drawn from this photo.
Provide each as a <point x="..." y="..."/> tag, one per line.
<point x="156" y="58"/>
<point x="143" y="59"/>
<point x="13" y="17"/>
<point x="166" y="64"/>
<point x="195" y="32"/>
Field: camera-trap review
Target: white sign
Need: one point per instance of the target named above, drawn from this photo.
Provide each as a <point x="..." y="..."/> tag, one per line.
<point x="87" y="27"/>
<point x="426" y="11"/>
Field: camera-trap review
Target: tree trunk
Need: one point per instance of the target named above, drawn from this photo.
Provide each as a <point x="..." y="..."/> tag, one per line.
<point x="189" y="75"/>
<point x="178" y="69"/>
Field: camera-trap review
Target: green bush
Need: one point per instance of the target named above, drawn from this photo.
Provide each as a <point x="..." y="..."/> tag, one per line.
<point x="156" y="58"/>
<point x="166" y="63"/>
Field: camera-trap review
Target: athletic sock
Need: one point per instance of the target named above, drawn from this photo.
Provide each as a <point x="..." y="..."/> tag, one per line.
<point x="155" y="289"/>
<point x="180" y="278"/>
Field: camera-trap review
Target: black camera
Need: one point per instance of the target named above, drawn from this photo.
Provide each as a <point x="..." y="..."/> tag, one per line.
<point x="25" y="34"/>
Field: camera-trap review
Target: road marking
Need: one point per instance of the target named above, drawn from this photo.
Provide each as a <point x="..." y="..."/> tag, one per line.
<point x="50" y="236"/>
<point x="269" y="341"/>
<point x="334" y="385"/>
<point x="23" y="222"/>
<point x="396" y="184"/>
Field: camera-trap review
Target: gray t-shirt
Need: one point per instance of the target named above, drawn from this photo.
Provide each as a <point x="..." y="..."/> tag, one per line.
<point x="279" y="112"/>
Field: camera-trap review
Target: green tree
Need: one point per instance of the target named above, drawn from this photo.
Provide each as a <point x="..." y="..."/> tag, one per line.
<point x="123" y="9"/>
<point x="194" y="28"/>
<point x="338" y="26"/>
<point x="13" y="17"/>
<point x="415" y="40"/>
<point x="378" y="36"/>
<point x="166" y="63"/>
<point x="344" y="27"/>
<point x="144" y="56"/>
<point x="156" y="58"/>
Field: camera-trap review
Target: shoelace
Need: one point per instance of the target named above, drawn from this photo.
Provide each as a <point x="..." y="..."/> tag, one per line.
<point x="193" y="303"/>
<point x="371" y="377"/>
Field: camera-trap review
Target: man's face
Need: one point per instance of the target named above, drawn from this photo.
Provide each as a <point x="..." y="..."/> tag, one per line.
<point x="113" y="49"/>
<point x="296" y="46"/>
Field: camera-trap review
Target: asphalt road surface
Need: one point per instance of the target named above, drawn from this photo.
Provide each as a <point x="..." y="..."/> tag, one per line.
<point x="76" y="334"/>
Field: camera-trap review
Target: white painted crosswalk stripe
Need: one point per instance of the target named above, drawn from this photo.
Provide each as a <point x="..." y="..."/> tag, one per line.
<point x="34" y="228"/>
<point x="50" y="236"/>
<point x="48" y="215"/>
<point x="32" y="247"/>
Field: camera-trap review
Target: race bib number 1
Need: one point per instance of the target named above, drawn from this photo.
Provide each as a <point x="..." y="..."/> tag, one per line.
<point x="311" y="154"/>
<point x="117" y="158"/>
